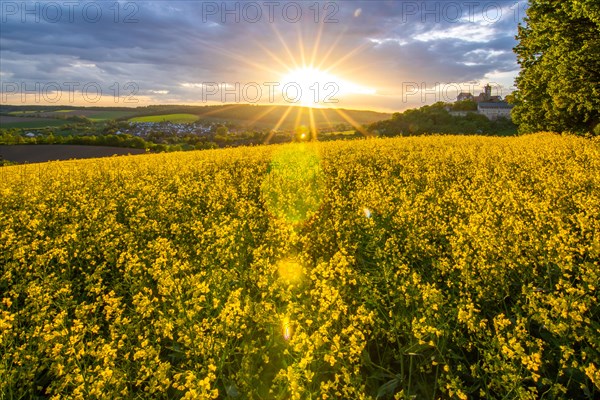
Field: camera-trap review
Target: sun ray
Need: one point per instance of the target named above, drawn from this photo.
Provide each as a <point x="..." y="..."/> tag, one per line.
<point x="301" y="111"/>
<point x="263" y="114"/>
<point x="351" y="53"/>
<point x="220" y="109"/>
<point x="386" y="33"/>
<point x="303" y="65"/>
<point x="285" y="46"/>
<point x="273" y="56"/>
<point x="331" y="48"/>
<point x="278" y="124"/>
<point x="351" y="120"/>
<point x="239" y="58"/>
<point x="313" y="127"/>
<point x="325" y="117"/>
<point x="313" y="57"/>
<point x="301" y="48"/>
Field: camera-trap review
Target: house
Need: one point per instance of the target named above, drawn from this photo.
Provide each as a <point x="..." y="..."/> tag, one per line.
<point x="464" y="96"/>
<point x="494" y="110"/>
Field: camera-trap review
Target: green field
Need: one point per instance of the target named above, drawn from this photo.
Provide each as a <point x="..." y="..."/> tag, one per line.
<point x="96" y="115"/>
<point x="25" y="113"/>
<point x="175" y="118"/>
<point x="438" y="267"/>
<point x="32" y="123"/>
<point x="107" y="115"/>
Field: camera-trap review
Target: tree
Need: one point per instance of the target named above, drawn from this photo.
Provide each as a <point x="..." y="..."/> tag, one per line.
<point x="464" y="105"/>
<point x="559" y="54"/>
<point x="222" y="131"/>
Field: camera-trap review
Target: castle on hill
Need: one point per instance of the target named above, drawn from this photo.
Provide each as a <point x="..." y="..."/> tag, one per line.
<point x="493" y="107"/>
<point x="483" y="97"/>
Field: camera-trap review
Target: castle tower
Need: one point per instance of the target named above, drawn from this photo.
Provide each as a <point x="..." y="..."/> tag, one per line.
<point x="488" y="92"/>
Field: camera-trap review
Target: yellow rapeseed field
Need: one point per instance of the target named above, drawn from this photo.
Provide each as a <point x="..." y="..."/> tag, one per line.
<point x="426" y="268"/>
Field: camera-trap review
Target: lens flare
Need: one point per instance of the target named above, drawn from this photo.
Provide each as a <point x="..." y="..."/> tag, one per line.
<point x="287" y="329"/>
<point x="290" y="271"/>
<point x="294" y="187"/>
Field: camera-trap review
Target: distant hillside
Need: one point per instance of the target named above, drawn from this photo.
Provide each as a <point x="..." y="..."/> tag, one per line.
<point x="258" y="116"/>
<point x="270" y="116"/>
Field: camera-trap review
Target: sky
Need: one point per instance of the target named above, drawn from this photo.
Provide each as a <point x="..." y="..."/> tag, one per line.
<point x="378" y="55"/>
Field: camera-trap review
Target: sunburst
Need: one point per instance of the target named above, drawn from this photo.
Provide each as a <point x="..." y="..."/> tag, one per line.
<point x="307" y="78"/>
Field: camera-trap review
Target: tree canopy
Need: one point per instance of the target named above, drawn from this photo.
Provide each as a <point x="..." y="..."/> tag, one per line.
<point x="559" y="54"/>
<point x="435" y="118"/>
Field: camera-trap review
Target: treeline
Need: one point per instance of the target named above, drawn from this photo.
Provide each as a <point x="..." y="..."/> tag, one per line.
<point x="156" y="141"/>
<point x="13" y="137"/>
<point x="436" y="119"/>
<point x="8" y="108"/>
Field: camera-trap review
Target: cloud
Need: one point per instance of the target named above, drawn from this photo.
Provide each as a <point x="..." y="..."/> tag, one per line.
<point x="160" y="45"/>
<point x="468" y="33"/>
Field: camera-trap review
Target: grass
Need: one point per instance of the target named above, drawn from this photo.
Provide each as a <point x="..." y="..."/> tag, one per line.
<point x="22" y="113"/>
<point x="175" y="118"/>
<point x="108" y="115"/>
<point x="38" y="123"/>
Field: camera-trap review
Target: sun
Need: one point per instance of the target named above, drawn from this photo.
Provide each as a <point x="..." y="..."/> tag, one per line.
<point x="310" y="86"/>
<point x="308" y="75"/>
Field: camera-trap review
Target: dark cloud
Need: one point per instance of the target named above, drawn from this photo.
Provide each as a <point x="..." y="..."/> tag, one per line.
<point x="162" y="45"/>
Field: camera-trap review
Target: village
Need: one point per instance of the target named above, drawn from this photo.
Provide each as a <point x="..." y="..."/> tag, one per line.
<point x="167" y="128"/>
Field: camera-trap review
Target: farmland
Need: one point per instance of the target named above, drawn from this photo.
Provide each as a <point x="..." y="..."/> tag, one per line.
<point x="7" y="122"/>
<point x="97" y="115"/>
<point x="175" y="118"/>
<point x="433" y="267"/>
<point x="260" y="116"/>
<point x="45" y="152"/>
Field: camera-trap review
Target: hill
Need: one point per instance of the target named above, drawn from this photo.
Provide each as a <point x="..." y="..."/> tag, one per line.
<point x="436" y="118"/>
<point x="258" y="116"/>
<point x="436" y="267"/>
<point x="285" y="117"/>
